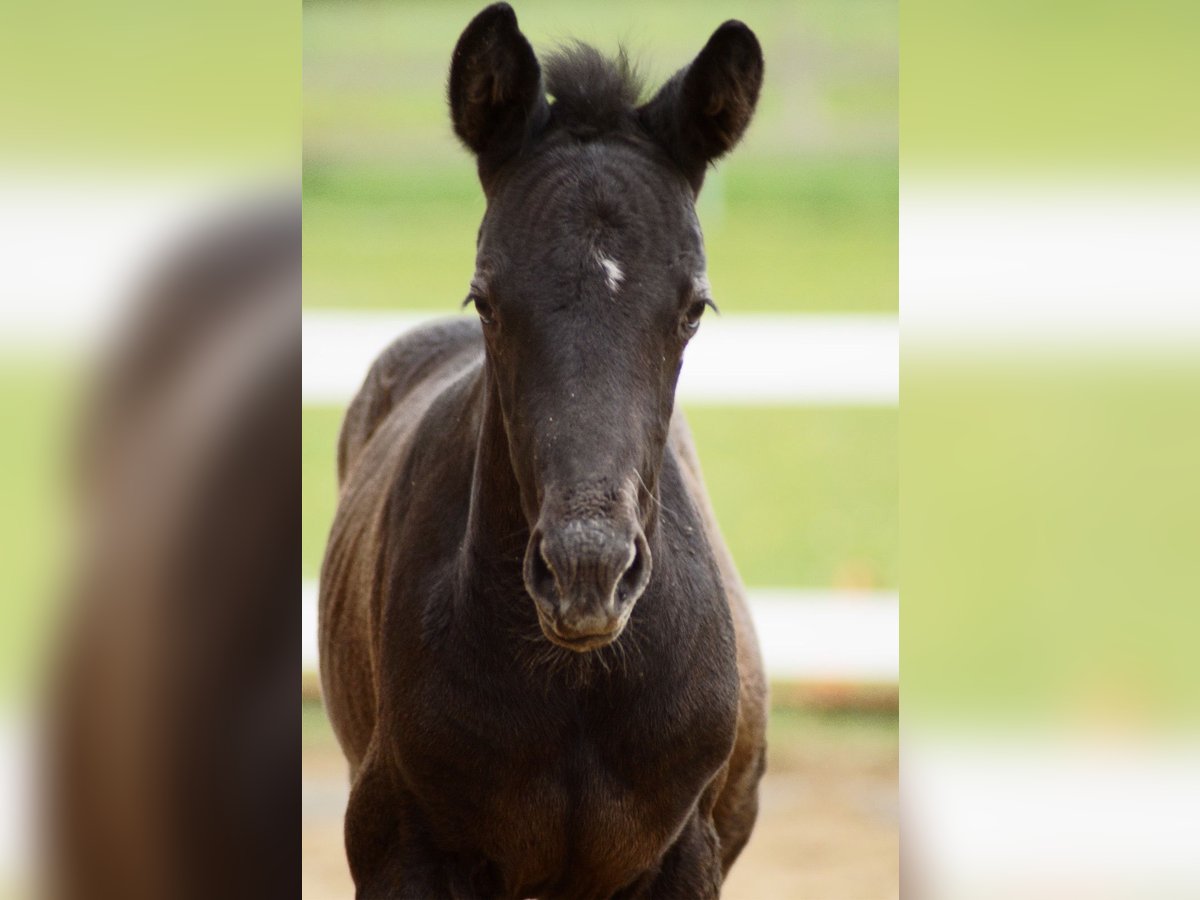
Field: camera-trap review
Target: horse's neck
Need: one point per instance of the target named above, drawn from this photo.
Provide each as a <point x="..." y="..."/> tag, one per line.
<point x="496" y="528"/>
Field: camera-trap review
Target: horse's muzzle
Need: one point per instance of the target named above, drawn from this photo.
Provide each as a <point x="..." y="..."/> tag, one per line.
<point x="585" y="575"/>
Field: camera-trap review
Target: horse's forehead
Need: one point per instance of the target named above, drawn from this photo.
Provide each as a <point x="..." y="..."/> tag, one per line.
<point x="595" y="185"/>
<point x="591" y="216"/>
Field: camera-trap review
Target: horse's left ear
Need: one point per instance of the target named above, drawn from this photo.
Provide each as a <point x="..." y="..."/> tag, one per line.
<point x="496" y="94"/>
<point x="703" y="111"/>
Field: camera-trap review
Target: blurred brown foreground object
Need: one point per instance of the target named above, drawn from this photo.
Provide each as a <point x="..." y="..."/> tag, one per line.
<point x="171" y="767"/>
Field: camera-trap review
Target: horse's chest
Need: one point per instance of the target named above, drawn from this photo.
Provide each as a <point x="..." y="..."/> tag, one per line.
<point x="588" y="825"/>
<point x="531" y="790"/>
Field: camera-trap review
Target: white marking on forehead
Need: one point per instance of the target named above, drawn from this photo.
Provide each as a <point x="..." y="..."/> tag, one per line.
<point x="700" y="285"/>
<point x="613" y="276"/>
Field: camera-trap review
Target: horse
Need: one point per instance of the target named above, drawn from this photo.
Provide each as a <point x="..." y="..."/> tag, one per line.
<point x="535" y="650"/>
<point x="169" y="762"/>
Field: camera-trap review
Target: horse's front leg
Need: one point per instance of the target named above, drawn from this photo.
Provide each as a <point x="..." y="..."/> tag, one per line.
<point x="387" y="845"/>
<point x="690" y="870"/>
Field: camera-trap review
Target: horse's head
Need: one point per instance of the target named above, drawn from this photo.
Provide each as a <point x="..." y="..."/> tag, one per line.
<point x="590" y="279"/>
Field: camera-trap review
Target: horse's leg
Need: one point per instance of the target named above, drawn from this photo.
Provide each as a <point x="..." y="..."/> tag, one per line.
<point x="737" y="806"/>
<point x="388" y="850"/>
<point x="690" y="870"/>
<point x="377" y="846"/>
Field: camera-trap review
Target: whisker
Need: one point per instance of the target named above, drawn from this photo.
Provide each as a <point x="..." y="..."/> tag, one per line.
<point x="657" y="500"/>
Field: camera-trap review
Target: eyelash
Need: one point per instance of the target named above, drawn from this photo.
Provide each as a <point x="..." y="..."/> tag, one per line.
<point x="487" y="315"/>
<point x="694" y="311"/>
<point x="691" y="316"/>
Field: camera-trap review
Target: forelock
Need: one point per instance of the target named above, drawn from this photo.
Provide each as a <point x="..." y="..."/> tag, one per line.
<point x="591" y="91"/>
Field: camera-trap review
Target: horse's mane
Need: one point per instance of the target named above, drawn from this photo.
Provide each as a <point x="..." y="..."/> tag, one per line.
<point x="591" y="90"/>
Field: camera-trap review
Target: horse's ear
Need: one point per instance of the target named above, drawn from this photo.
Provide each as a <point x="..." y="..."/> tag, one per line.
<point x="496" y="94"/>
<point x="703" y="111"/>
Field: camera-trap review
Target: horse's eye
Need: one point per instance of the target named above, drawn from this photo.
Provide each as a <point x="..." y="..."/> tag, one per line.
<point x="691" y="318"/>
<point x="486" y="314"/>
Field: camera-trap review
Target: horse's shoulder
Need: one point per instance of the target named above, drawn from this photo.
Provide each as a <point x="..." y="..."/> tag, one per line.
<point x="415" y="353"/>
<point x="425" y="356"/>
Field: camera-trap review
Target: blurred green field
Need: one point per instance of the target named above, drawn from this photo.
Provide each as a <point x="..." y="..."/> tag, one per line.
<point x="1050" y="539"/>
<point x="805" y="496"/>
<point x="1086" y="86"/>
<point x="37" y="398"/>
<point x="137" y="88"/>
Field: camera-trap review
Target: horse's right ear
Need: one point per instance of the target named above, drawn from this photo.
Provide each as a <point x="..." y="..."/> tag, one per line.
<point x="496" y="93"/>
<point x="701" y="113"/>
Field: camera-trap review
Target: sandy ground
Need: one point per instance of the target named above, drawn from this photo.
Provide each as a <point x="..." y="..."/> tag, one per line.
<point x="828" y="828"/>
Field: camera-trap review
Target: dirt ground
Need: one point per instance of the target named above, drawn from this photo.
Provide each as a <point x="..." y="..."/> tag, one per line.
<point x="828" y="827"/>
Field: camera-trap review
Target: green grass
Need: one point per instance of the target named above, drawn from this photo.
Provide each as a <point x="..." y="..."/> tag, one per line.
<point x="318" y="482"/>
<point x="1063" y="87"/>
<point x="315" y="730"/>
<point x="143" y="87"/>
<point x="806" y="497"/>
<point x="1051" y="511"/>
<point x="36" y="405"/>
<point x="845" y="729"/>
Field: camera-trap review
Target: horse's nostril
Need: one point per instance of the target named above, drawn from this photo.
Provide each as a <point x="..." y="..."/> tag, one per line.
<point x="541" y="573"/>
<point x="634" y="578"/>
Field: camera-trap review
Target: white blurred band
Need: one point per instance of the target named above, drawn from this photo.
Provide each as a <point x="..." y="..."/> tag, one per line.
<point x="993" y="262"/>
